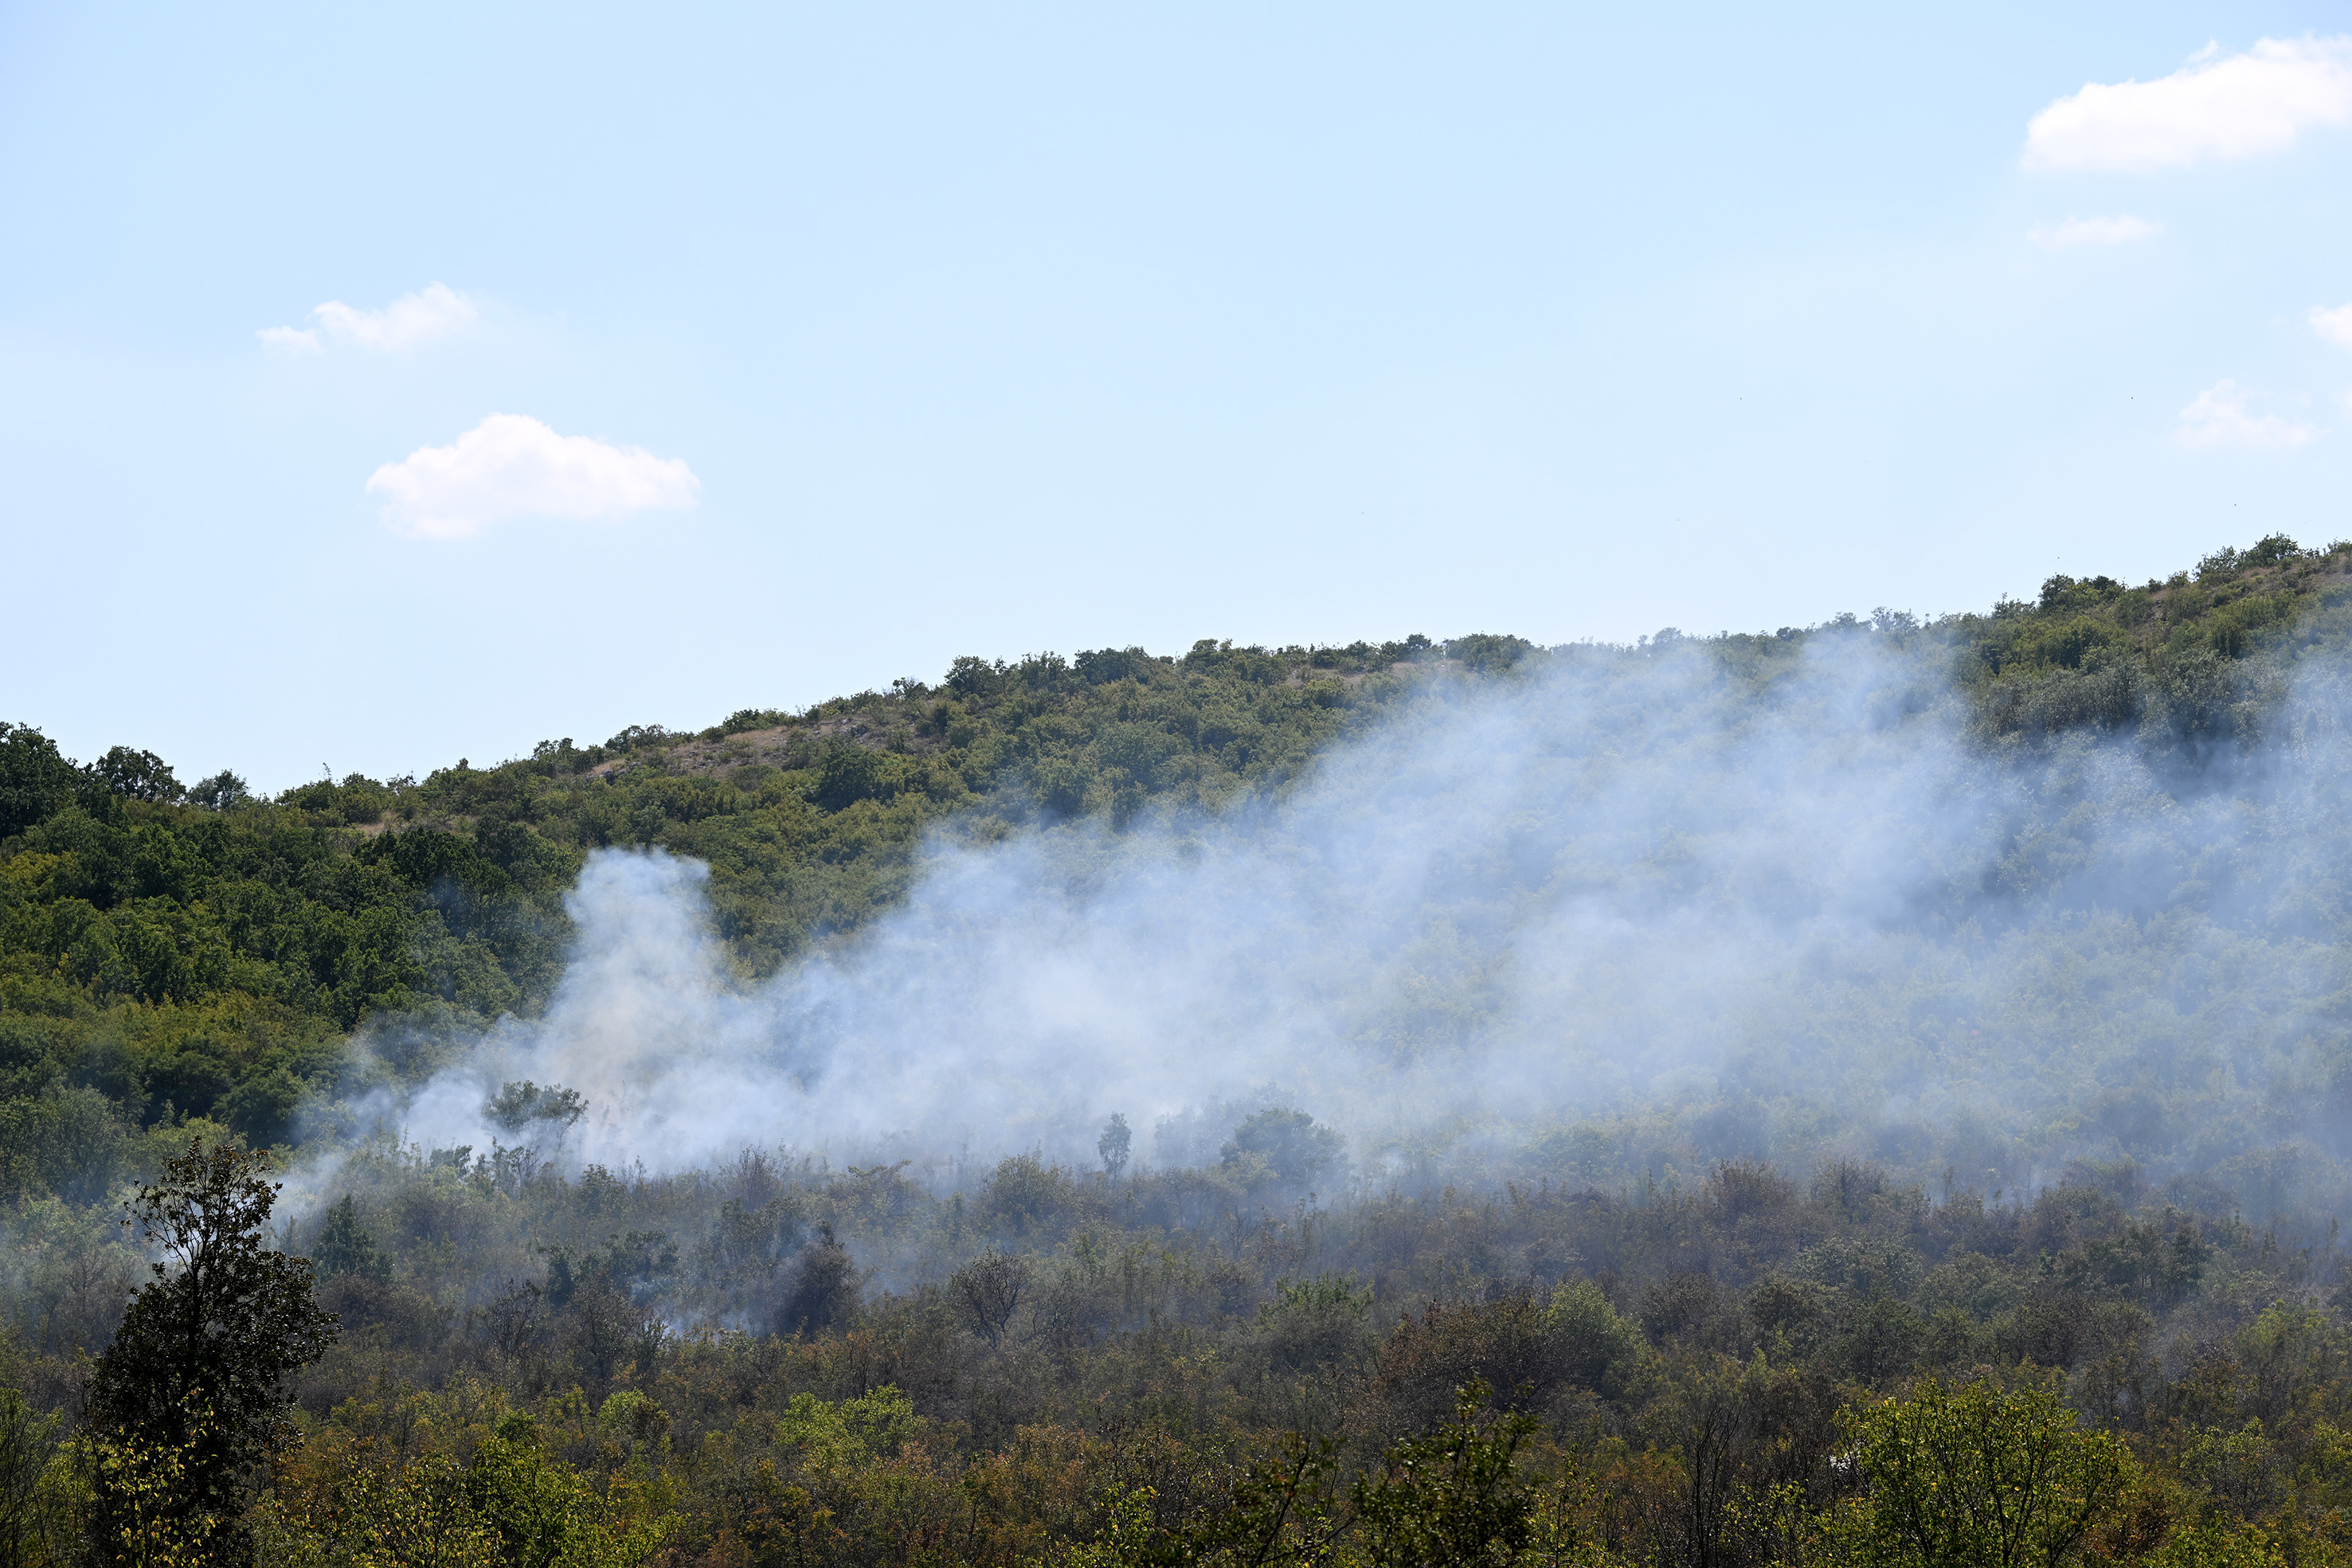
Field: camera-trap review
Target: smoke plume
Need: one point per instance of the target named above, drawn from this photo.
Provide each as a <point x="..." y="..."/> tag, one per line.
<point x="1623" y="911"/>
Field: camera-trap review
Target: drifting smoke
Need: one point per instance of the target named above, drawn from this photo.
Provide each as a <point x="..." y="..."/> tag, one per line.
<point x="1632" y="907"/>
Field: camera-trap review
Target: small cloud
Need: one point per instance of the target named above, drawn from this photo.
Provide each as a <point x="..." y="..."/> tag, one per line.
<point x="2334" y="324"/>
<point x="2122" y="229"/>
<point x="293" y="340"/>
<point x="2215" y="108"/>
<point x="2219" y="418"/>
<point x="434" y="311"/>
<point x="511" y="465"/>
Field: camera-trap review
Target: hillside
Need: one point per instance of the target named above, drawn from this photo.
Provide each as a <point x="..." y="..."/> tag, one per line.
<point x="1144" y="1109"/>
<point x="168" y="951"/>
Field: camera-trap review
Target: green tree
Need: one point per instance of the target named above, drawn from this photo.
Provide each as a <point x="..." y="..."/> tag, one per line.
<point x="1290" y="1142"/>
<point x="30" y="1527"/>
<point x="850" y="773"/>
<point x="1975" y="1476"/>
<point x="345" y="1247"/>
<point x="517" y="1105"/>
<point x="1283" y="1513"/>
<point x="35" y="780"/>
<point x="142" y="1484"/>
<point x="220" y="791"/>
<point x="516" y="1506"/>
<point x="1117" y="1140"/>
<point x="546" y="1514"/>
<point x="1455" y="1497"/>
<point x="417" y="1515"/>
<point x="139" y="775"/>
<point x="198" y="1370"/>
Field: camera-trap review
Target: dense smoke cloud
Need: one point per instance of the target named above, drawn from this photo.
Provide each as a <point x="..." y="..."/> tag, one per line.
<point x="1621" y="911"/>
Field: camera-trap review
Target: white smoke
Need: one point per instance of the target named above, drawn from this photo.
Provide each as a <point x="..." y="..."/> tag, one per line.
<point x="1812" y="910"/>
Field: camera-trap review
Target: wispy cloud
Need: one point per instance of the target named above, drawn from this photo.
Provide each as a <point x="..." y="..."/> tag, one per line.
<point x="2215" y="108"/>
<point x="2220" y="418"/>
<point x="2122" y="229"/>
<point x="437" y="310"/>
<point x="511" y="465"/>
<point x="2333" y="323"/>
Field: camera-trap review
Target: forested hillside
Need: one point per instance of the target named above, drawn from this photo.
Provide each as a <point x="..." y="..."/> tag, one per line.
<point x="176" y="951"/>
<point x="1672" y="1348"/>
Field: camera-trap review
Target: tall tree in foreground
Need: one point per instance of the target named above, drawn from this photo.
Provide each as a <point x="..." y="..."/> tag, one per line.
<point x="199" y="1368"/>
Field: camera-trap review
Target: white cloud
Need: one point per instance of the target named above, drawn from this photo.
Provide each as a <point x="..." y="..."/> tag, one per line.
<point x="2238" y="106"/>
<point x="434" y="311"/>
<point x="293" y="340"/>
<point x="2335" y="325"/>
<point x="511" y="465"/>
<point x="2219" y="417"/>
<point x="2122" y="229"/>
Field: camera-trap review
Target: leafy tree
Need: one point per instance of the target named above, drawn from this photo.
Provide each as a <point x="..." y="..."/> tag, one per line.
<point x="1455" y="1497"/>
<point x="2218" y="1546"/>
<point x="146" y="1515"/>
<point x="220" y="791"/>
<point x="545" y="1513"/>
<point x="345" y="1246"/>
<point x="1288" y="1141"/>
<point x="1284" y="1510"/>
<point x="851" y="773"/>
<point x="1484" y="651"/>
<point x="824" y="1287"/>
<point x="197" y="1372"/>
<point x="30" y="1526"/>
<point x="35" y="780"/>
<point x="69" y="1141"/>
<point x="1127" y="1535"/>
<point x="1114" y="1144"/>
<point x="516" y="1506"/>
<point x="517" y="1105"/>
<point x="418" y="1514"/>
<point x="136" y="774"/>
<point x="973" y="676"/>
<point x="851" y="1434"/>
<point x="1977" y="1477"/>
<point x="2272" y="550"/>
<point x="1319" y="1323"/>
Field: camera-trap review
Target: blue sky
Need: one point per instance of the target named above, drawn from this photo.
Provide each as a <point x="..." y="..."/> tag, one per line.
<point x="388" y="385"/>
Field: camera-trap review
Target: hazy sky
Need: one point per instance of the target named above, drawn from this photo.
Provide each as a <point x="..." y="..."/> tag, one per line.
<point x="385" y="385"/>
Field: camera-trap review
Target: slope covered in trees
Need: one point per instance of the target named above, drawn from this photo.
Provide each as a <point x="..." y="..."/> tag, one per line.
<point x="1627" y="1336"/>
<point x="169" y="951"/>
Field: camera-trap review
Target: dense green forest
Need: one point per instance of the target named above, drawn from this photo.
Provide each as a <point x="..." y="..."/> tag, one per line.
<point x="1629" y="1335"/>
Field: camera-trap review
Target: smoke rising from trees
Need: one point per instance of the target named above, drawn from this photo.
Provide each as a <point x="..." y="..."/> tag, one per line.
<point x="1628" y="913"/>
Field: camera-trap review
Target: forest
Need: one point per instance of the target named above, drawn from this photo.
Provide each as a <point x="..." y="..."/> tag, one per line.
<point x="1874" y="1091"/>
